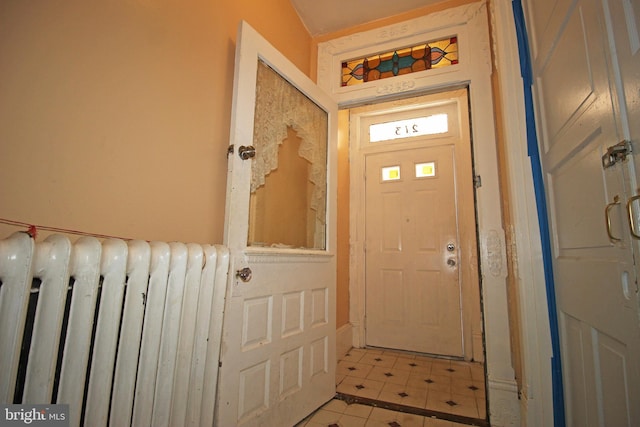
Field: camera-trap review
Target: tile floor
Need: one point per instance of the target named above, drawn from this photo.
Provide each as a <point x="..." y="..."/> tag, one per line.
<point x="425" y="384"/>
<point x="338" y="413"/>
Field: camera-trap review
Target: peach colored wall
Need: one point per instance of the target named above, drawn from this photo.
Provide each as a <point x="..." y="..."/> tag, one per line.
<point x="343" y="251"/>
<point x="114" y="115"/>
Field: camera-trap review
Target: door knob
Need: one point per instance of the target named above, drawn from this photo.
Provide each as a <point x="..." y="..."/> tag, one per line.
<point x="244" y="274"/>
<point x="451" y="262"/>
<point x="451" y="247"/>
<point x="246" y="152"/>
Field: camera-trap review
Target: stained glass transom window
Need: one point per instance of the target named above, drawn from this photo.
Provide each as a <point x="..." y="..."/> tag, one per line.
<point x="425" y="56"/>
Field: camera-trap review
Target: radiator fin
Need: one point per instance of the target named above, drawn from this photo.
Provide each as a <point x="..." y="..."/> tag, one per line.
<point x="126" y="333"/>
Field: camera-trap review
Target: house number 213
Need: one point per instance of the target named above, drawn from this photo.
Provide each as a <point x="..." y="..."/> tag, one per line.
<point x="406" y="130"/>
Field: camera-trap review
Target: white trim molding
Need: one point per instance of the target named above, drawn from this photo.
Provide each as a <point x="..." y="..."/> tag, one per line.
<point x="536" y="389"/>
<point x="470" y="24"/>
<point x="344" y="340"/>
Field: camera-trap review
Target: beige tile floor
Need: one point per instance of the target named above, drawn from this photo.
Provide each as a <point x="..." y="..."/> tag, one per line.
<point x="425" y="383"/>
<point x="338" y="413"/>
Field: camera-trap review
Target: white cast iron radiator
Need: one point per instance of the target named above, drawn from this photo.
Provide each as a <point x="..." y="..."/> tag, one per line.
<point x="126" y="333"/>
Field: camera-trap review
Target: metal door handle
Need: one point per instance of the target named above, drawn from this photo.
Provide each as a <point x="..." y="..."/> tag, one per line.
<point x="246" y="152"/>
<point x="451" y="262"/>
<point x="244" y="274"/>
<point x="632" y="223"/>
<point x="607" y="209"/>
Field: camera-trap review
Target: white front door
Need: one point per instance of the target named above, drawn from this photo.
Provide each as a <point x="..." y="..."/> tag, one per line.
<point x="278" y="348"/>
<point x="595" y="277"/>
<point x="419" y="225"/>
<point x="413" y="294"/>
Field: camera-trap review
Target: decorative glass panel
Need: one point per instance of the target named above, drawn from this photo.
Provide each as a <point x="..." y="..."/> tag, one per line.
<point x="425" y="56"/>
<point x="424" y="170"/>
<point x="430" y="125"/>
<point x="391" y="173"/>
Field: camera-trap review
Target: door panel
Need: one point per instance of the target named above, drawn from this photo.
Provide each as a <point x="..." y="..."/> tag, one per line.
<point x="579" y="372"/>
<point x="623" y="24"/>
<point x="278" y="348"/>
<point x="612" y="368"/>
<point x="595" y="276"/>
<point x="574" y="91"/>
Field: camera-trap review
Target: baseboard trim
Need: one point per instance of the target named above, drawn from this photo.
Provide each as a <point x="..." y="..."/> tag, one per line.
<point x="344" y="339"/>
<point x="504" y="405"/>
<point x="459" y="419"/>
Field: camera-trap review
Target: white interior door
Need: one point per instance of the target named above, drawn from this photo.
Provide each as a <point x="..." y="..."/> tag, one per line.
<point x="595" y="276"/>
<point x="278" y="348"/>
<point x="420" y="226"/>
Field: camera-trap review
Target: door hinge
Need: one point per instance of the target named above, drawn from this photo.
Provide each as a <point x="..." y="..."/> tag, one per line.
<point x="616" y="153"/>
<point x="477" y="181"/>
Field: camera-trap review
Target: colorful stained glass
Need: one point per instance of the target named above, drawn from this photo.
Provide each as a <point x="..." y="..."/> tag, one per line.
<point x="425" y="56"/>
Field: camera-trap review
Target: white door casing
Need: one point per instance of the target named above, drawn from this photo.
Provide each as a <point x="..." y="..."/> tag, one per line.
<point x="470" y="23"/>
<point x="278" y="345"/>
<point x="421" y="294"/>
<point x="536" y="401"/>
<point x="580" y="116"/>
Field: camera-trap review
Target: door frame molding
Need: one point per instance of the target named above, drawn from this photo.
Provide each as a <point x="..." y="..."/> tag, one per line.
<point x="536" y="395"/>
<point x="470" y="23"/>
<point x="360" y="149"/>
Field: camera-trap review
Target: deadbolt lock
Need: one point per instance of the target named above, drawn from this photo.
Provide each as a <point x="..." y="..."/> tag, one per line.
<point x="451" y="247"/>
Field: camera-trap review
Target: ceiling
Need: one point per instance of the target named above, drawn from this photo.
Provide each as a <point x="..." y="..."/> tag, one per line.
<point x="327" y="16"/>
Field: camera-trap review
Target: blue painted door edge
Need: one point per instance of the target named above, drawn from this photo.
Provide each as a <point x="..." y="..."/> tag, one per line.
<point x="543" y="219"/>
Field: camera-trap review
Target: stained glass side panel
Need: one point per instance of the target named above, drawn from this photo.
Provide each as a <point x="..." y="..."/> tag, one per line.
<point x="425" y="56"/>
